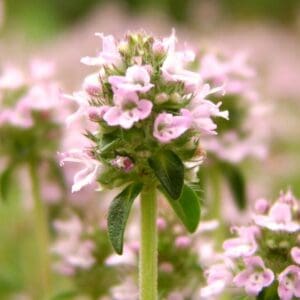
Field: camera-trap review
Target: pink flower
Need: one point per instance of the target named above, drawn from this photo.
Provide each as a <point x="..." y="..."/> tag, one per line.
<point x="136" y="79"/>
<point x="218" y="276"/>
<point x="41" y="70"/>
<point x="168" y="127"/>
<point x="82" y="100"/>
<point x="109" y="54"/>
<point x="88" y="174"/>
<point x="96" y="113"/>
<point x="92" y="84"/>
<point x="173" y="70"/>
<point x="261" y="206"/>
<point x="244" y="245"/>
<point x="295" y="253"/>
<point x="41" y="97"/>
<point x="128" y="109"/>
<point x="183" y="242"/>
<point x="289" y="283"/>
<point x="279" y="218"/>
<point x="202" y="111"/>
<point x="11" y="78"/>
<point x="255" y="277"/>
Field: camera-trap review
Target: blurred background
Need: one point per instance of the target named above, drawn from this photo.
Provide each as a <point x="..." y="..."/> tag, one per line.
<point x="62" y="31"/>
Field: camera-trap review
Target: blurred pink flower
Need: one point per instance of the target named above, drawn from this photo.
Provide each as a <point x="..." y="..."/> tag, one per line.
<point x="289" y="283"/>
<point x="244" y="245"/>
<point x="279" y="218"/>
<point x="255" y="277"/>
<point x="295" y="253"/>
<point x="218" y="276"/>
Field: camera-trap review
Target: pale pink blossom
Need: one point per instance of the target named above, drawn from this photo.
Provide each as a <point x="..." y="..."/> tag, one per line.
<point x="173" y="68"/>
<point x="289" y="283"/>
<point x="41" y="97"/>
<point x="255" y="277"/>
<point x="279" y="218"/>
<point x="41" y="69"/>
<point x="128" y="258"/>
<point x="161" y="224"/>
<point x="96" y="113"/>
<point x="218" y="277"/>
<point x="244" y="245"/>
<point x="261" y="206"/>
<point x="108" y="56"/>
<point x="183" y="242"/>
<point x="12" y="78"/>
<point x="136" y="79"/>
<point x="201" y="111"/>
<point x="82" y="100"/>
<point x="168" y="127"/>
<point x="88" y="174"/>
<point x="128" y="109"/>
<point x="72" y="251"/>
<point x="92" y="84"/>
<point x="295" y="253"/>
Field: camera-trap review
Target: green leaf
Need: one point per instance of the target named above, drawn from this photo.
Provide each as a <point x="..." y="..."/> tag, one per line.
<point x="118" y="214"/>
<point x="5" y="182"/>
<point x="169" y="170"/>
<point x="187" y="208"/>
<point x="236" y="182"/>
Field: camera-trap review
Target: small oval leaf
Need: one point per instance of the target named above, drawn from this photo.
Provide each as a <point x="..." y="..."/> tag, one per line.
<point x="236" y="183"/>
<point x="118" y="214"/>
<point x="187" y="208"/>
<point x="169" y="170"/>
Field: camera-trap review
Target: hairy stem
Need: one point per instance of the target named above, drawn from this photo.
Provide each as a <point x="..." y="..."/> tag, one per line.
<point x="148" y="251"/>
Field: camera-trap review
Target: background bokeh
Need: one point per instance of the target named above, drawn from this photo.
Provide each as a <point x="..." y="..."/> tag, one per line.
<point x="62" y="31"/>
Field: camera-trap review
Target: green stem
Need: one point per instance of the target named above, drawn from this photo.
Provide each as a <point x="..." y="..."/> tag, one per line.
<point x="216" y="207"/>
<point x="42" y="238"/>
<point x="148" y="251"/>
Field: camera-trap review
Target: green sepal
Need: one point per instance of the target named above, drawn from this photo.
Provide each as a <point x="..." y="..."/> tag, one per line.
<point x="118" y="214"/>
<point x="169" y="170"/>
<point x="187" y="208"/>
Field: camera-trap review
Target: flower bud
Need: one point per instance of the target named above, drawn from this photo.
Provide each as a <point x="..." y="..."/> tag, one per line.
<point x="166" y="267"/>
<point x="158" y="48"/>
<point x="123" y="47"/>
<point x="183" y="242"/>
<point x="261" y="206"/>
<point x="161" y="224"/>
<point x="175" y="98"/>
<point x="161" y="98"/>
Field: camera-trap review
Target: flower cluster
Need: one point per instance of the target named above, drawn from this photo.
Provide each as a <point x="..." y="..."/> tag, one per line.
<point x="27" y="111"/>
<point x="143" y="98"/>
<point x="264" y="258"/>
<point x="237" y="139"/>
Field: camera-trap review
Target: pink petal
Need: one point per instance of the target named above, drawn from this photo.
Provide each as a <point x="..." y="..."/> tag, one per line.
<point x="112" y="116"/>
<point x="295" y="253"/>
<point x="145" y="107"/>
<point x="241" y="278"/>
